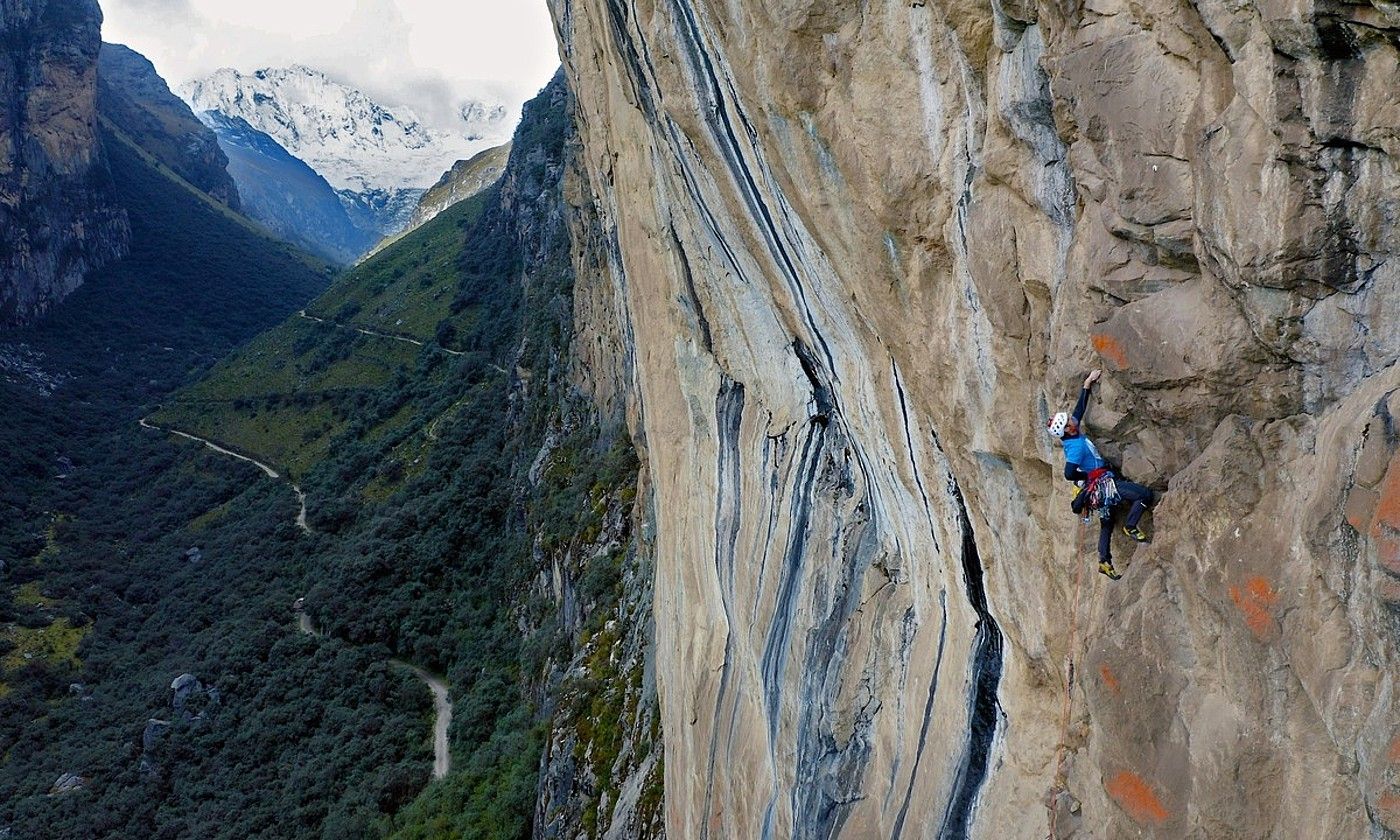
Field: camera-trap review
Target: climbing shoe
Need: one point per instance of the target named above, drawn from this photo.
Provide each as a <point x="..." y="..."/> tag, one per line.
<point x="1106" y="569"/>
<point x="1135" y="533"/>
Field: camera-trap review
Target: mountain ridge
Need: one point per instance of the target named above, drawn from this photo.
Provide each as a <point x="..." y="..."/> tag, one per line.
<point x="134" y="96"/>
<point x="284" y="193"/>
<point x="465" y="179"/>
<point x="379" y="158"/>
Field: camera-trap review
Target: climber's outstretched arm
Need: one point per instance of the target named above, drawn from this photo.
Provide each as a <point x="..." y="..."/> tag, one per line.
<point x="1083" y="404"/>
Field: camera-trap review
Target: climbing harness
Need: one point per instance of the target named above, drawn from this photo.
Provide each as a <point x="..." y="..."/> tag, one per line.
<point x="1103" y="493"/>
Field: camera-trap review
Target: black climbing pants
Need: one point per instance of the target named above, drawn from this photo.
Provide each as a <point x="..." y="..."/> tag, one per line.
<point x="1140" y="497"/>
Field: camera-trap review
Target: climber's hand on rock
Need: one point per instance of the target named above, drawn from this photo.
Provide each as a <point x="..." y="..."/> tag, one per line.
<point x="1092" y="378"/>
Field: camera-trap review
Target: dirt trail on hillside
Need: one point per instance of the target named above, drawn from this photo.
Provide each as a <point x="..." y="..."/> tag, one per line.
<point x="442" y="703"/>
<point x="363" y="331"/>
<point x="271" y="473"/>
<point x="442" y="709"/>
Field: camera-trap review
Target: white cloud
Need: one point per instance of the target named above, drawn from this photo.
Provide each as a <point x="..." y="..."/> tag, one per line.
<point x="425" y="54"/>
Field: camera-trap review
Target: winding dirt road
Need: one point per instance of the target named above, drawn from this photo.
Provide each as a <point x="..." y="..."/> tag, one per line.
<point x="271" y="473"/>
<point x="442" y="708"/>
<point x="442" y="703"/>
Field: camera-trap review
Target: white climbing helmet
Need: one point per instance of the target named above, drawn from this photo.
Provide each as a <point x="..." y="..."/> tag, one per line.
<point x="1057" y="424"/>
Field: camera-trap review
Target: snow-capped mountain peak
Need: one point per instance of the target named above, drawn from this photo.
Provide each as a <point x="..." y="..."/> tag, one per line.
<point x="354" y="142"/>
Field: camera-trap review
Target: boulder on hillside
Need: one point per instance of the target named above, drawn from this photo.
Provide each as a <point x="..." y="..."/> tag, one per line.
<point x="67" y="783"/>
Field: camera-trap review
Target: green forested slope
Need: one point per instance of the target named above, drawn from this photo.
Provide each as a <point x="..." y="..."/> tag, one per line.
<point x="98" y="517"/>
<point x="295" y="390"/>
<point x="410" y="289"/>
<point x="198" y="282"/>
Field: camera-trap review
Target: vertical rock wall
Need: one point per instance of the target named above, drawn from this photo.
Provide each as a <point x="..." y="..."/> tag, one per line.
<point x="58" y="219"/>
<point x="862" y="250"/>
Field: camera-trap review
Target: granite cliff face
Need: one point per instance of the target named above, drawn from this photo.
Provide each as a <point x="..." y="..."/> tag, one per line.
<point x="58" y="219"/>
<point x="600" y="771"/>
<point x="856" y="253"/>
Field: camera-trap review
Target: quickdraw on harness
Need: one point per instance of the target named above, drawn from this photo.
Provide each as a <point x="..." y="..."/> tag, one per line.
<point x="1103" y="493"/>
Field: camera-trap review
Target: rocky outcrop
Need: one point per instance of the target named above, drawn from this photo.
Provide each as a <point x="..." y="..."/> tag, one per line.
<point x="58" y="217"/>
<point x="191" y="702"/>
<point x="66" y="784"/>
<point x="190" y="698"/>
<point x="151" y="738"/>
<point x="858" y="253"/>
<point x="137" y="101"/>
<point x="155" y="730"/>
<point x="465" y="179"/>
<point x="600" y="773"/>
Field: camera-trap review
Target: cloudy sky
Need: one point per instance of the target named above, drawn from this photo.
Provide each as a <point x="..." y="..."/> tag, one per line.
<point x="426" y="54"/>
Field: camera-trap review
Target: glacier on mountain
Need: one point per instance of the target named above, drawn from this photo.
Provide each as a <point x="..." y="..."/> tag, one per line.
<point x="355" y="143"/>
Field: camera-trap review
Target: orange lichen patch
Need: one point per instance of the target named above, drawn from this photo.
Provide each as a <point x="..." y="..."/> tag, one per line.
<point x="1394" y="753"/>
<point x="1260" y="589"/>
<point x="1388" y="809"/>
<point x="1385" y="526"/>
<point x="1388" y="506"/>
<point x="1388" y="552"/>
<point x="1256" y="600"/>
<point x="1360" y="508"/>
<point x="1134" y="795"/>
<point x="1109" y="678"/>
<point x="1109" y="347"/>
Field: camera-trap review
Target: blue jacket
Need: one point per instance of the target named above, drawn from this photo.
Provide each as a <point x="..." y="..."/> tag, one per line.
<point x="1080" y="452"/>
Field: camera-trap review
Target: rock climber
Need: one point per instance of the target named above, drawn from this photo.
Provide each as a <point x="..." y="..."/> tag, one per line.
<point x="1098" y="489"/>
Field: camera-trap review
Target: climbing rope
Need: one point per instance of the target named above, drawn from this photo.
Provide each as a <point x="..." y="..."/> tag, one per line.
<point x="1061" y="781"/>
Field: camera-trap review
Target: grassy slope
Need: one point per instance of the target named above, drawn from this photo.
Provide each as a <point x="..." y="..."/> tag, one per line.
<point x="407" y="289"/>
<point x="290" y="394"/>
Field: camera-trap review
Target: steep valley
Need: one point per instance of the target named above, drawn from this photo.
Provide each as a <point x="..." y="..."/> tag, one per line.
<point x="468" y="512"/>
